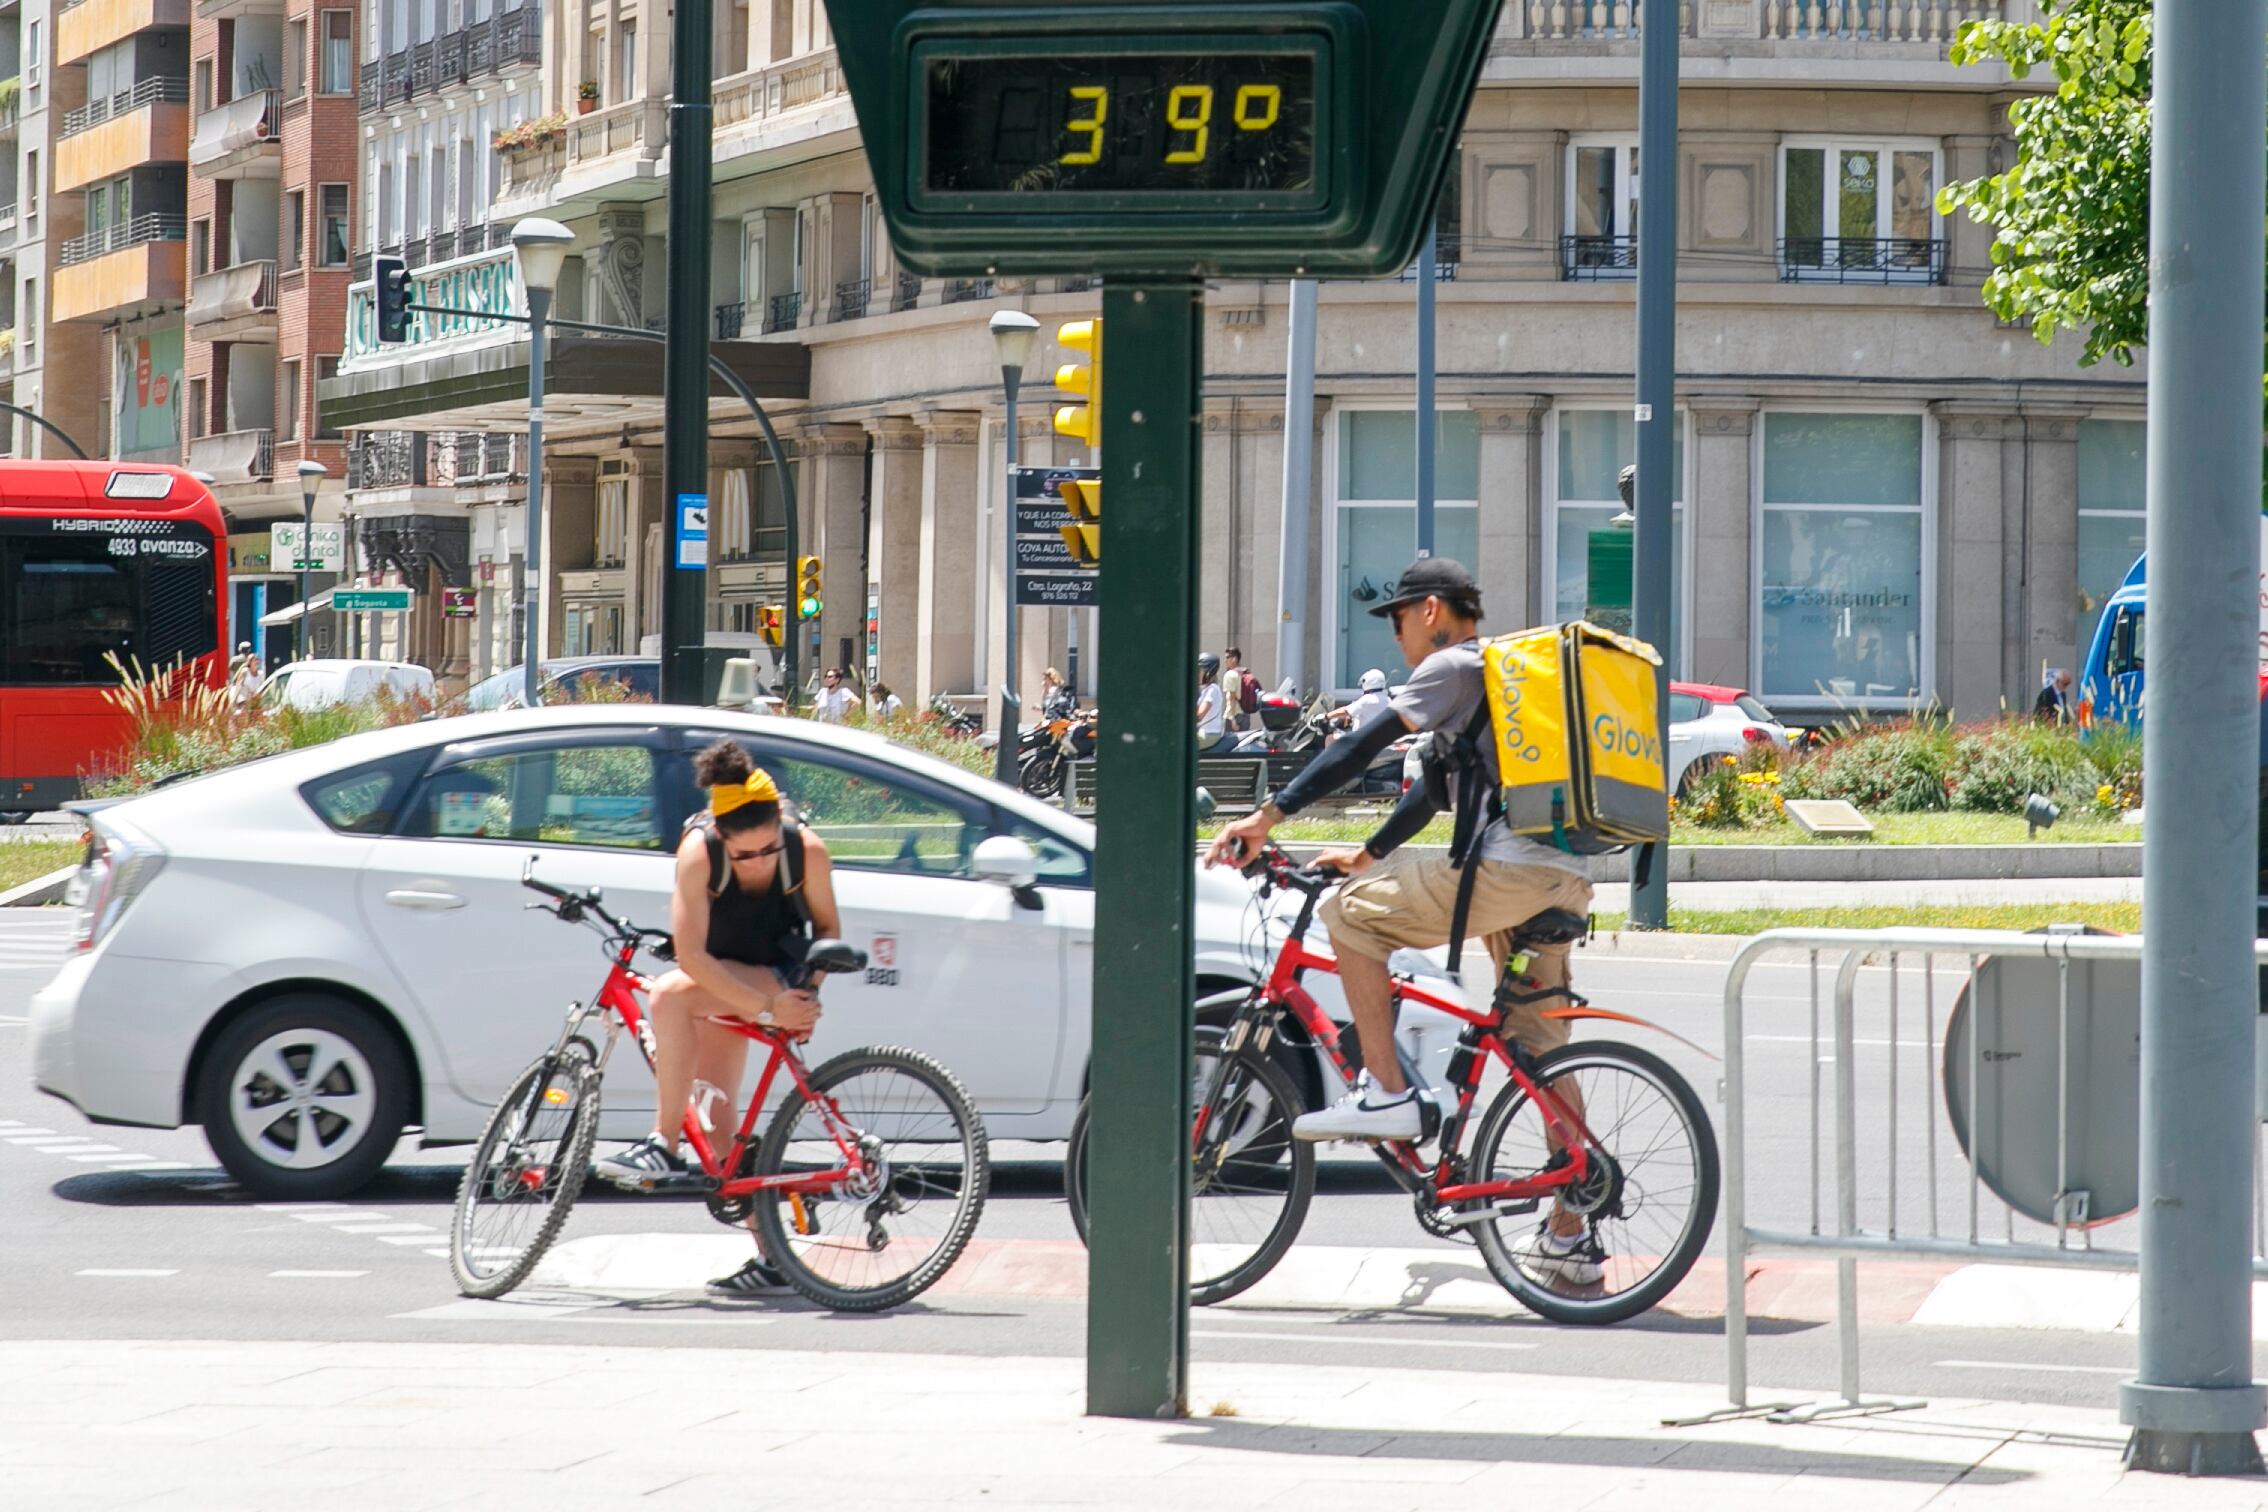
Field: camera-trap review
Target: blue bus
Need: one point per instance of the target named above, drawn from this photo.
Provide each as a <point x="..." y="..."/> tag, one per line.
<point x="2111" y="681"/>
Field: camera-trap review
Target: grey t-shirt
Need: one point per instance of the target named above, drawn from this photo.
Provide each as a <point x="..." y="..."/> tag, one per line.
<point x="1443" y="694"/>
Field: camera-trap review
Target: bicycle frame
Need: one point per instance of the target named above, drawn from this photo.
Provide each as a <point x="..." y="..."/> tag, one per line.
<point x="620" y="996"/>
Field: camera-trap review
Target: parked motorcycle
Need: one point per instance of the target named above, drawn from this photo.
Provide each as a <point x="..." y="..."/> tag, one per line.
<point x="1291" y="733"/>
<point x="1061" y="741"/>
<point x="955" y="719"/>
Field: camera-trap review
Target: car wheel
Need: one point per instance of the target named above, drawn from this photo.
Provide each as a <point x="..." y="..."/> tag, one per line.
<point x="303" y="1097"/>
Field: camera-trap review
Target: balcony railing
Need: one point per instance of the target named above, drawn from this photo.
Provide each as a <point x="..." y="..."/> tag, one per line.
<point x="249" y="288"/>
<point x="383" y="459"/>
<point x="782" y="312"/>
<point x="966" y="290"/>
<point x="729" y="317"/>
<point x="7" y="223"/>
<point x="242" y="456"/>
<point x="1862" y="259"/>
<point x="414" y="252"/>
<point x="1591" y="258"/>
<point x="907" y="293"/>
<point x="441" y="245"/>
<point x="117" y="238"/>
<point x="1873" y="20"/>
<point x="362" y="272"/>
<point x="142" y="92"/>
<point x="851" y="298"/>
<point x="509" y="39"/>
<point x="245" y="121"/>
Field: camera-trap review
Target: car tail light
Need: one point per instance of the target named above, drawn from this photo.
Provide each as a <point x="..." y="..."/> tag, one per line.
<point x="1754" y="736"/>
<point x="117" y="868"/>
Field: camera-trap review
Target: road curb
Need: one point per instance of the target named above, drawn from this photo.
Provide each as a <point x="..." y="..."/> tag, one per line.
<point x="40" y="890"/>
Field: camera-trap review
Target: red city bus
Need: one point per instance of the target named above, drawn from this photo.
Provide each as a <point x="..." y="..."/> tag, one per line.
<point x="97" y="558"/>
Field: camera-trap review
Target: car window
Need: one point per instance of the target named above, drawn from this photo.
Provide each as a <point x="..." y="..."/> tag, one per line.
<point x="871" y="823"/>
<point x="1685" y="706"/>
<point x="1754" y="708"/>
<point x="1060" y="861"/>
<point x="585" y="794"/>
<point x="491" y="692"/>
<point x="363" y="800"/>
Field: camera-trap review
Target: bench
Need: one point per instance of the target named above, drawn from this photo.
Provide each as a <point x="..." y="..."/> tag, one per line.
<point x="1237" y="783"/>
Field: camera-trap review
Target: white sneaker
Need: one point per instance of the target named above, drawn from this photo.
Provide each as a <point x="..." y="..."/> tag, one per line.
<point x="1571" y="1261"/>
<point x="1364" y="1113"/>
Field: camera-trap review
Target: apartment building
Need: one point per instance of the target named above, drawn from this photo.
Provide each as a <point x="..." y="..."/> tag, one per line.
<point x="1885" y="498"/>
<point x="54" y="371"/>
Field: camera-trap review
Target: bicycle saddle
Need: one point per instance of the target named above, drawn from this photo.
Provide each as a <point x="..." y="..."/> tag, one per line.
<point x="1554" y="926"/>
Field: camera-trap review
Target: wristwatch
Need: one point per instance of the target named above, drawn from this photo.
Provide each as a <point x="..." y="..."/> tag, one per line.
<point x="765" y="1018"/>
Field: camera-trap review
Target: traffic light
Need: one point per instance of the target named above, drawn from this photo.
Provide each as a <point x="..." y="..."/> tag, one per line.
<point x="1083" y="496"/>
<point x="810" y="596"/>
<point x="393" y="298"/>
<point x="1081" y="381"/>
<point x="768" y="624"/>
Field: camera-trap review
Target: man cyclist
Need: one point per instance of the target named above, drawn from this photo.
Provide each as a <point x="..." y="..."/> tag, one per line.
<point x="751" y="889"/>
<point x="1392" y="901"/>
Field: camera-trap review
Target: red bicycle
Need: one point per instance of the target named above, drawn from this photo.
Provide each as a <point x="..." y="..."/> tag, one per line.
<point x="1609" y="1136"/>
<point x="864" y="1189"/>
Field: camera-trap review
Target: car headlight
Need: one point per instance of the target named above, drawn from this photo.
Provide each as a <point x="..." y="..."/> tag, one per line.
<point x="119" y="864"/>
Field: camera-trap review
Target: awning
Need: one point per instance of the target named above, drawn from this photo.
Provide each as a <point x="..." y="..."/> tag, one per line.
<point x="290" y="614"/>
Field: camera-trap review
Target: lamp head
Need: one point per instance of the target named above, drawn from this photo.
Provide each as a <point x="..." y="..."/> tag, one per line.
<point x="311" y="476"/>
<point x="542" y="246"/>
<point x="1012" y="333"/>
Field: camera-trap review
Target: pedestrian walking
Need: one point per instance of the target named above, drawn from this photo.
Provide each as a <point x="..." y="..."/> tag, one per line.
<point x="1212" y="726"/>
<point x="1240" y="695"/>
<point x="835" y="701"/>
<point x="2054" y="705"/>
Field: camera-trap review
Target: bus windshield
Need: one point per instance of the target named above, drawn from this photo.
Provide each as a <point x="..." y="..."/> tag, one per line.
<point x="72" y="597"/>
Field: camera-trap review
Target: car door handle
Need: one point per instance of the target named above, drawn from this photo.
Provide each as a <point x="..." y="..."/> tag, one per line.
<point x="423" y="900"/>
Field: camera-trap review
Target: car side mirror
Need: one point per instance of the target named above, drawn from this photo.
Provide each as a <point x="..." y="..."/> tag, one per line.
<point x="1006" y="860"/>
<point x="834" y="957"/>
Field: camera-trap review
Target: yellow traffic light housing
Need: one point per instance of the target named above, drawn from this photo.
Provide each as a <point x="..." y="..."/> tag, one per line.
<point x="1081" y="381"/>
<point x="810" y="594"/>
<point x="768" y="625"/>
<point x="1083" y="497"/>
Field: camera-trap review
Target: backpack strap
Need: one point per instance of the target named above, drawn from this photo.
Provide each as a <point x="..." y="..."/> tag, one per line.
<point x="789" y="878"/>
<point x="1476" y="807"/>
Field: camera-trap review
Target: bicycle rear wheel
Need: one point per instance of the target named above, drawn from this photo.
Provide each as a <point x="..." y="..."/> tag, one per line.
<point x="886" y="1237"/>
<point x="1648" y="1210"/>
<point x="1250" y="1182"/>
<point x="524" y="1175"/>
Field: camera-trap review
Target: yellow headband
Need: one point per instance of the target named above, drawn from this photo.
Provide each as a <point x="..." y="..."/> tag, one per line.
<point x="759" y="788"/>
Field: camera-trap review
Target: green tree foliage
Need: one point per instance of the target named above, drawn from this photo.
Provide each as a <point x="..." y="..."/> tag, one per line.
<point x="2071" y="251"/>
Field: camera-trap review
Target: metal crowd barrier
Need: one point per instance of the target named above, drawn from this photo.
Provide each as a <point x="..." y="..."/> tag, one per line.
<point x="1866" y="1221"/>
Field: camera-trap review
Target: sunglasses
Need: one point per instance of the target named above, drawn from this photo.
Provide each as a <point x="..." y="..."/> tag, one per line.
<point x="757" y="855"/>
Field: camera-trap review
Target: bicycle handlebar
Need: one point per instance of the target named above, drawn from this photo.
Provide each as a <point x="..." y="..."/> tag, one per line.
<point x="572" y="907"/>
<point x="1277" y="869"/>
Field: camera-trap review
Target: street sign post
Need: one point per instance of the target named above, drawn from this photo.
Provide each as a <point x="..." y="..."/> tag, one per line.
<point x="371" y="600"/>
<point x="1157" y="145"/>
<point x="1047" y="574"/>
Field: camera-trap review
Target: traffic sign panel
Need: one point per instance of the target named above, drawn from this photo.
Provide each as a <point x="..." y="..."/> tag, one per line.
<point x="371" y="600"/>
<point x="1056" y="590"/>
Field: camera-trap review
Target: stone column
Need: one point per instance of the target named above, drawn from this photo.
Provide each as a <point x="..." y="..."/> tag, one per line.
<point x="570" y="532"/>
<point x="945" y="614"/>
<point x="835" y="473"/>
<point x="646" y="559"/>
<point x="1968" y="243"/>
<point x="1510" y="568"/>
<point x="894" y="550"/>
<point x="1721" y="594"/>
<point x="1259" y="481"/>
<point x="1243" y="534"/>
<point x="2046" y="506"/>
<point x="1971" y="549"/>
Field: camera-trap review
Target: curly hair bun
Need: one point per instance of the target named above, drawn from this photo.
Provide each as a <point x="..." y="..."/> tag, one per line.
<point x="724" y="764"/>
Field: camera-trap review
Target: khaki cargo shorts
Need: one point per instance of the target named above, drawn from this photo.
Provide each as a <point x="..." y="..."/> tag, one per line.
<point x="1407" y="901"/>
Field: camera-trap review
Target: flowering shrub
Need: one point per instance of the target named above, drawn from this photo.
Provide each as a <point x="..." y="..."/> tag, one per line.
<point x="1922" y="765"/>
<point x="1730" y="793"/>
<point x="1900" y="768"/>
<point x="539" y="131"/>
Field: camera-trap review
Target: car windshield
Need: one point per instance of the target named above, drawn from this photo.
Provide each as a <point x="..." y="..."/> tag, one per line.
<point x="1755" y="709"/>
<point x="493" y="692"/>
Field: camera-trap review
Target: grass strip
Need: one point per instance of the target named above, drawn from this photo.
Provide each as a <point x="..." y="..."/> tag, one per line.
<point x="24" y="861"/>
<point x="2124" y="918"/>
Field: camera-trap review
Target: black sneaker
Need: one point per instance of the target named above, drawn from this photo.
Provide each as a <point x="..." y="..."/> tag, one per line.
<point x="644" y="1166"/>
<point x="755" y="1279"/>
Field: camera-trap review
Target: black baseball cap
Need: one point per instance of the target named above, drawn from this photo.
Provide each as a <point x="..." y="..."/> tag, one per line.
<point x="1431" y="577"/>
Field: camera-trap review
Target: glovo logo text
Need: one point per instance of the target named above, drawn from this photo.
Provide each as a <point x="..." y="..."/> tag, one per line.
<point x="1512" y="737"/>
<point x="1611" y="735"/>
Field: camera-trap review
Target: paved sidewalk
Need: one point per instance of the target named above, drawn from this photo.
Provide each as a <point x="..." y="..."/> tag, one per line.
<point x="245" y="1427"/>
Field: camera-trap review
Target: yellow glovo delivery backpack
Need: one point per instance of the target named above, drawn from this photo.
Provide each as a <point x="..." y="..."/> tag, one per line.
<point x="1575" y="713"/>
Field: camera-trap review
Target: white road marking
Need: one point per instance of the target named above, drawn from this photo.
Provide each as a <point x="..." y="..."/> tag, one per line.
<point x="2109" y="1370"/>
<point x="314" y="1275"/>
<point x="296" y="1207"/>
<point x="113" y="1158"/>
<point x="1325" y="1335"/>
<point x="382" y="1228"/>
<point x="126" y="1272"/>
<point x="45" y="1141"/>
<point x="425" y="1238"/>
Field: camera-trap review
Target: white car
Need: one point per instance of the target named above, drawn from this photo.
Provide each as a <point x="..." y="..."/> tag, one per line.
<point x="320" y="682"/>
<point x="1709" y="721"/>
<point x="310" y="953"/>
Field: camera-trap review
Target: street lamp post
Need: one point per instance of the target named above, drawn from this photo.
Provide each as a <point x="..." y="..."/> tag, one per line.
<point x="1012" y="333"/>
<point x="311" y="476"/>
<point x="542" y="248"/>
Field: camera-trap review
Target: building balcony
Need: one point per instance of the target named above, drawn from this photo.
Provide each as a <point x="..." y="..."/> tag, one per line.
<point x="1862" y="259"/>
<point x="728" y="320"/>
<point x="907" y="293"/>
<point x="234" y="304"/>
<point x="509" y="42"/>
<point x="1599" y="38"/>
<point x="783" y="312"/>
<point x="1584" y="259"/>
<point x="11" y="104"/>
<point x="7" y="226"/>
<point x="148" y="123"/>
<point x="761" y="93"/>
<point x="238" y="140"/>
<point x="83" y="27"/>
<point x="228" y="10"/>
<point x="852" y="296"/>
<point x="112" y="274"/>
<point x="244" y="456"/>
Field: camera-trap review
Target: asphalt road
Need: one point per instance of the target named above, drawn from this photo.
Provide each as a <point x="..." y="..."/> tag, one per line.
<point x="138" y="1234"/>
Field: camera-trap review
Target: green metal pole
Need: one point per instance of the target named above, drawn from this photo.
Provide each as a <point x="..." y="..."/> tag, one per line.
<point x="685" y="363"/>
<point x="1145" y="886"/>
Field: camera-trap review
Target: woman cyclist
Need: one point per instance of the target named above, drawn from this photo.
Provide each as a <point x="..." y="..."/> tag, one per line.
<point x="752" y="887"/>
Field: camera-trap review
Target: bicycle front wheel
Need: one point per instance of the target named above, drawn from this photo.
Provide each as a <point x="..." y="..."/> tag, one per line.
<point x="524" y="1175"/>
<point x="886" y="1235"/>
<point x="1618" y="1244"/>
<point x="1250" y="1182"/>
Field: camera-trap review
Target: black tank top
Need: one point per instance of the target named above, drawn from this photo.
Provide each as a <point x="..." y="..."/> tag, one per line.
<point x="764" y="928"/>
